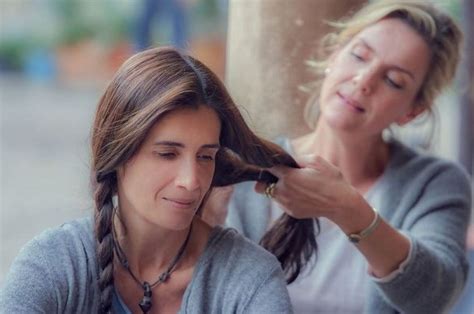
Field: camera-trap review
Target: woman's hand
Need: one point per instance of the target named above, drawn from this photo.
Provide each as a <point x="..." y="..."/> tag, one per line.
<point x="216" y="207"/>
<point x="316" y="190"/>
<point x="320" y="190"/>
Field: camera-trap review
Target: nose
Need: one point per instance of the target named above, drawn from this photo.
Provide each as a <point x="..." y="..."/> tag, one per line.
<point x="364" y="80"/>
<point x="188" y="175"/>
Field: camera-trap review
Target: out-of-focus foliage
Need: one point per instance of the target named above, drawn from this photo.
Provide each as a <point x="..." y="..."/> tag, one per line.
<point x="46" y="25"/>
<point x="105" y="20"/>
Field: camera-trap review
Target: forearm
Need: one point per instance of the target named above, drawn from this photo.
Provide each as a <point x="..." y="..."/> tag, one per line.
<point x="430" y="279"/>
<point x="384" y="248"/>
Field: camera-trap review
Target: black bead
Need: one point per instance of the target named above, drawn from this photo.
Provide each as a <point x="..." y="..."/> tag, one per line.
<point x="147" y="289"/>
<point x="145" y="304"/>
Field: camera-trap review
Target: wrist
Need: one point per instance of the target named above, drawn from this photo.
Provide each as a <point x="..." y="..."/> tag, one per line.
<point x="356" y="237"/>
<point x="356" y="216"/>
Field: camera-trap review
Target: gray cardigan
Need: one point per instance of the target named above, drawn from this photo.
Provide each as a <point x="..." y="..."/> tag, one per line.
<point x="56" y="272"/>
<point x="429" y="199"/>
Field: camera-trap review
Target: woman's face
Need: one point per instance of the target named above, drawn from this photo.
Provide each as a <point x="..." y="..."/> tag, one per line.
<point x="165" y="181"/>
<point x="373" y="80"/>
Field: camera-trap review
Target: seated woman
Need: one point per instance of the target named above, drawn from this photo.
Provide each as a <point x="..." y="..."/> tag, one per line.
<point x="162" y="138"/>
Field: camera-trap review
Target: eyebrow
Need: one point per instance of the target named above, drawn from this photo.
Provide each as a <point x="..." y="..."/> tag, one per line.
<point x="392" y="65"/>
<point x="181" y="145"/>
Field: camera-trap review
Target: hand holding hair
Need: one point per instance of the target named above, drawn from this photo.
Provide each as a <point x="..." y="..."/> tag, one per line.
<point x="316" y="190"/>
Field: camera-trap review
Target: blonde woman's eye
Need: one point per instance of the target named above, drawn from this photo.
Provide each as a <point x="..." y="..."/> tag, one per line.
<point x="357" y="57"/>
<point x="392" y="83"/>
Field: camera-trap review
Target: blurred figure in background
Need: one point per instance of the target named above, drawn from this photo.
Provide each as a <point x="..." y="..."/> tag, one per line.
<point x="174" y="11"/>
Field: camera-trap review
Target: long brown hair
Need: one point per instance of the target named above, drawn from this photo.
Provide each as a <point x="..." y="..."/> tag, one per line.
<point x="146" y="87"/>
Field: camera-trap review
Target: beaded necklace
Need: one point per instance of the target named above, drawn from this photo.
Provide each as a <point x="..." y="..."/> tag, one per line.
<point x="146" y="304"/>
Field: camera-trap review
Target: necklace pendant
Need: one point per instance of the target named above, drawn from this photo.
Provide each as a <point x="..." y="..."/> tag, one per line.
<point x="145" y="304"/>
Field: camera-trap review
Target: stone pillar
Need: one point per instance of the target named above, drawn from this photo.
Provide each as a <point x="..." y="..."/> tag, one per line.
<point x="267" y="46"/>
<point x="466" y="84"/>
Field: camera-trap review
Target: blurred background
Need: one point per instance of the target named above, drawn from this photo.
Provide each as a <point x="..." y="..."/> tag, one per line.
<point x="56" y="57"/>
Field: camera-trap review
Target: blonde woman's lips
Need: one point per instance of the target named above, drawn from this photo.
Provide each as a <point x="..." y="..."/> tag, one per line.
<point x="351" y="103"/>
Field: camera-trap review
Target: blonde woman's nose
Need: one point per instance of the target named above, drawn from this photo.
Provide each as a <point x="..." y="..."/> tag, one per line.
<point x="364" y="80"/>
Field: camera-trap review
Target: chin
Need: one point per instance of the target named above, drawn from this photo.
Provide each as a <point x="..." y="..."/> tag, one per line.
<point x="338" y="121"/>
<point x="175" y="222"/>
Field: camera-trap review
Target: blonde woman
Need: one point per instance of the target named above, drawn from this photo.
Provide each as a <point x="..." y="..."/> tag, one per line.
<point x="393" y="220"/>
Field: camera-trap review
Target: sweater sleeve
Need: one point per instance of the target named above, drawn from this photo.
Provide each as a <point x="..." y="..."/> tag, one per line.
<point x="271" y="296"/>
<point x="28" y="287"/>
<point x="436" y="225"/>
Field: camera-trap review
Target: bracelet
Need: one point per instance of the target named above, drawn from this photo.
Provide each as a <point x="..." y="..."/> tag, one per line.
<point x="356" y="237"/>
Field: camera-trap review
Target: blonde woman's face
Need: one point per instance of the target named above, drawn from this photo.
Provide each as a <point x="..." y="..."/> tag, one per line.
<point x="166" y="180"/>
<point x="374" y="79"/>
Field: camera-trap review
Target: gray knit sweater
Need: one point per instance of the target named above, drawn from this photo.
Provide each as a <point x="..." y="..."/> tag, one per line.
<point x="429" y="199"/>
<point x="56" y="272"/>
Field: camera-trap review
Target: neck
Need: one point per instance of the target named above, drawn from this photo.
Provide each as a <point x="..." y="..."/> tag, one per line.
<point x="360" y="159"/>
<point x="148" y="248"/>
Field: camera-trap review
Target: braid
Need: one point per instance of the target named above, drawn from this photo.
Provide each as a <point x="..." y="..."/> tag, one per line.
<point x="105" y="243"/>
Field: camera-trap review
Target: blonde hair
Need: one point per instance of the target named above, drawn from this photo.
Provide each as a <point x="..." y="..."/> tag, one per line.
<point x="437" y="28"/>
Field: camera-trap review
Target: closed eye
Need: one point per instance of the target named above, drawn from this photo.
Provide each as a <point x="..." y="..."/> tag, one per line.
<point x="206" y="157"/>
<point x="357" y="57"/>
<point x="166" y="155"/>
<point x="392" y="84"/>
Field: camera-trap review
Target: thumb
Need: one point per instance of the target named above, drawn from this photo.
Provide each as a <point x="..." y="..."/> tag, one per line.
<point x="307" y="160"/>
<point x="260" y="187"/>
<point x="323" y="165"/>
<point x="279" y="171"/>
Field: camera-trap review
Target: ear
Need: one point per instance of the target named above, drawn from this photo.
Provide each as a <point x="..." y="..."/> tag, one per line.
<point x="412" y="114"/>
<point x="120" y="171"/>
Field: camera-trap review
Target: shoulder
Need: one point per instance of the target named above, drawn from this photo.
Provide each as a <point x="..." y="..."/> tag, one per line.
<point x="237" y="261"/>
<point x="54" y="270"/>
<point x="228" y="245"/>
<point x="72" y="239"/>
<point x="64" y="250"/>
<point x="413" y="168"/>
<point x="417" y="185"/>
<point x="235" y="275"/>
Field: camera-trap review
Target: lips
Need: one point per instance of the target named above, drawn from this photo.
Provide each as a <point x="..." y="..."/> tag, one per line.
<point x="180" y="202"/>
<point x="351" y="103"/>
